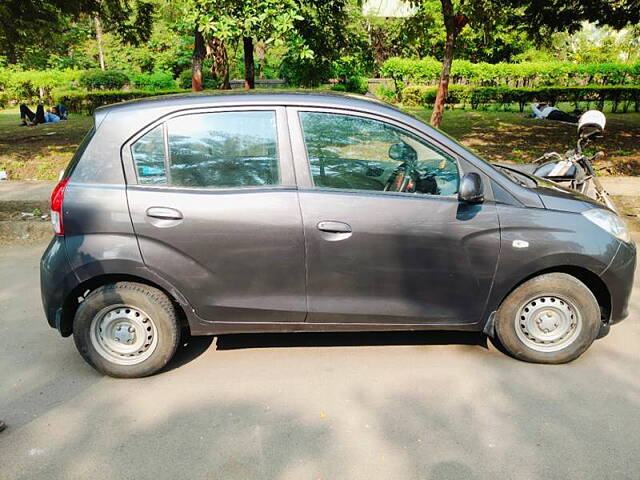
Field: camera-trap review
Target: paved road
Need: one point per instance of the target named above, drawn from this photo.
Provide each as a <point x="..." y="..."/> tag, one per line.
<point x="26" y="190"/>
<point x="326" y="406"/>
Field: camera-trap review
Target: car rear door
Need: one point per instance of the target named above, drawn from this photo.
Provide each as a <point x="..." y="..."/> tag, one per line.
<point x="215" y="209"/>
<point x="376" y="255"/>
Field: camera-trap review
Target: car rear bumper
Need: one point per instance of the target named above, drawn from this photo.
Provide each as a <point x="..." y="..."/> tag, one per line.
<point x="57" y="280"/>
<point x="618" y="278"/>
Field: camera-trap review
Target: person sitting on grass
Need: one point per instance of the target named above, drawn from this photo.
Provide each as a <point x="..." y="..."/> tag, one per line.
<point x="61" y="111"/>
<point x="544" y="110"/>
<point x="40" y="116"/>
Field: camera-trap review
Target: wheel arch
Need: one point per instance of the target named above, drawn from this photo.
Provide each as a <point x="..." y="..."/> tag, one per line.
<point x="75" y="297"/>
<point x="591" y="280"/>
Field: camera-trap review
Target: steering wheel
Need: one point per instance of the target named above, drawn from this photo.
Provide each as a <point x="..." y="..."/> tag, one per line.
<point x="401" y="178"/>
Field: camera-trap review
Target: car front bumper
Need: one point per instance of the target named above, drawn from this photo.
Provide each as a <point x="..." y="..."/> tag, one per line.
<point x="618" y="277"/>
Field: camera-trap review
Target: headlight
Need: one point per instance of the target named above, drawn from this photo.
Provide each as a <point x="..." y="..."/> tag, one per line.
<point x="610" y="222"/>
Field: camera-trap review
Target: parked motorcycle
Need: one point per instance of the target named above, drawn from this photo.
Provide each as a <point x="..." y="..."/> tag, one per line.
<point x="574" y="169"/>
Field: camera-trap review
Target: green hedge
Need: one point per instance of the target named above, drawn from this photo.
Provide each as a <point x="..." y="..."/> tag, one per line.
<point x="622" y="98"/>
<point x="154" y="81"/>
<point x="26" y="86"/>
<point x="87" y="102"/>
<point x="405" y="71"/>
<point x="103" y="79"/>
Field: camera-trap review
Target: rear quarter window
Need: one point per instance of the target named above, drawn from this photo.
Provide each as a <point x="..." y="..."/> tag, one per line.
<point x="79" y="152"/>
<point x="149" y="156"/>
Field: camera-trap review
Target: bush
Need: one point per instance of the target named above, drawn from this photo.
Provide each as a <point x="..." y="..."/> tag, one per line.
<point x="349" y="70"/>
<point x="103" y="79"/>
<point x="386" y="93"/>
<point x="28" y="85"/>
<point x="87" y="102"/>
<point x="352" y="84"/>
<point x="303" y="72"/>
<point x="153" y="81"/>
<point x="621" y="97"/>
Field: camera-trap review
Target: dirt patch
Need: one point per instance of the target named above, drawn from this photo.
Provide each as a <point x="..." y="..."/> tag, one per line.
<point x="20" y="232"/>
<point x="629" y="207"/>
<point x="24" y="221"/>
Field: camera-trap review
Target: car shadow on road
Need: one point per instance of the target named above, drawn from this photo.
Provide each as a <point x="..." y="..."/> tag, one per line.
<point x="348" y="339"/>
<point x="188" y="350"/>
<point x="191" y="348"/>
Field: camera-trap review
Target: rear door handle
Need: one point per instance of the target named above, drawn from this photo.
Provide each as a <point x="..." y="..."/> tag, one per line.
<point x="334" y="227"/>
<point x="164" y="213"/>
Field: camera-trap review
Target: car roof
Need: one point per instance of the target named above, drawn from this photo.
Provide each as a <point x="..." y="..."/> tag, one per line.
<point x="211" y="99"/>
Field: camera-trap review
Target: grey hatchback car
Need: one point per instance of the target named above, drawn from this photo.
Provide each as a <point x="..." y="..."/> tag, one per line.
<point x="292" y="212"/>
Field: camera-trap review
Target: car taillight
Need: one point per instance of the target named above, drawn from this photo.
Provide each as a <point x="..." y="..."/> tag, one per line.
<point x="57" y="197"/>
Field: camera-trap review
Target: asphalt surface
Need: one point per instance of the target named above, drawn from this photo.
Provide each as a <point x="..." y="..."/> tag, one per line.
<point x="316" y="406"/>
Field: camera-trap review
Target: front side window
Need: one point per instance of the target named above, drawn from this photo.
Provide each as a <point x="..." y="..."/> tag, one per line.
<point x="357" y="153"/>
<point x="212" y="150"/>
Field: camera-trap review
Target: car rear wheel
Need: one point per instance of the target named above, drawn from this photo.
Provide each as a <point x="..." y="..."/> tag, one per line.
<point x="126" y="329"/>
<point x="552" y="318"/>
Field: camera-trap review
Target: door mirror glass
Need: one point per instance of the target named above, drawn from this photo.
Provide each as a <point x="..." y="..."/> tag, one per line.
<point x="402" y="152"/>
<point x="471" y="190"/>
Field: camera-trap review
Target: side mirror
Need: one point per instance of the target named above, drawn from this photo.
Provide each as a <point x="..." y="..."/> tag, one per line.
<point x="471" y="190"/>
<point x="402" y="152"/>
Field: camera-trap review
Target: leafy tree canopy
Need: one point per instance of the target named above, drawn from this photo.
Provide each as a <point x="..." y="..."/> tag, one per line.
<point x="26" y="25"/>
<point x="271" y="21"/>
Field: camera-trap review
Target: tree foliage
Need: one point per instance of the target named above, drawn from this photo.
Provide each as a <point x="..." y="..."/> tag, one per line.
<point x="269" y="21"/>
<point x="309" y="42"/>
<point x="28" y="25"/>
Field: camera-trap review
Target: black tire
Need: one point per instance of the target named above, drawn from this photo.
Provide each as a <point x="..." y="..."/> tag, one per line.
<point x="157" y="307"/>
<point x="562" y="286"/>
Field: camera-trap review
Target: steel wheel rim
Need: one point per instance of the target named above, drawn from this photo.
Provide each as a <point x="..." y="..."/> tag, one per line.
<point x="123" y="334"/>
<point x="548" y="323"/>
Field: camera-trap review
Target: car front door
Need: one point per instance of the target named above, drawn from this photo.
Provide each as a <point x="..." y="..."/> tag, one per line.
<point x="216" y="212"/>
<point x="387" y="240"/>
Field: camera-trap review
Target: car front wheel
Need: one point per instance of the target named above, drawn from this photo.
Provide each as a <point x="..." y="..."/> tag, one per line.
<point x="126" y="329"/>
<point x="552" y="318"/>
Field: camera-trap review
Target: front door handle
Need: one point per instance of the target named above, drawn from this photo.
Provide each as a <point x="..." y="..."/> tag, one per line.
<point x="334" y="227"/>
<point x="164" y="213"/>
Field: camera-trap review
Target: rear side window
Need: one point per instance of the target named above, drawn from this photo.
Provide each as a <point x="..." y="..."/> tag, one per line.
<point x="211" y="150"/>
<point x="149" y="154"/>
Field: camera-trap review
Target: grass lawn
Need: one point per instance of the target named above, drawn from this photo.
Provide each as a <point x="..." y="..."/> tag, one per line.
<point x="511" y="137"/>
<point x="40" y="152"/>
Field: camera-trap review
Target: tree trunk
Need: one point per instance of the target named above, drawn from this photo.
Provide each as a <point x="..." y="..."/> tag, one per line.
<point x="261" y="53"/>
<point x="453" y="25"/>
<point x="249" y="65"/>
<point x="197" y="58"/>
<point x="217" y="51"/>
<point x="99" y="41"/>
